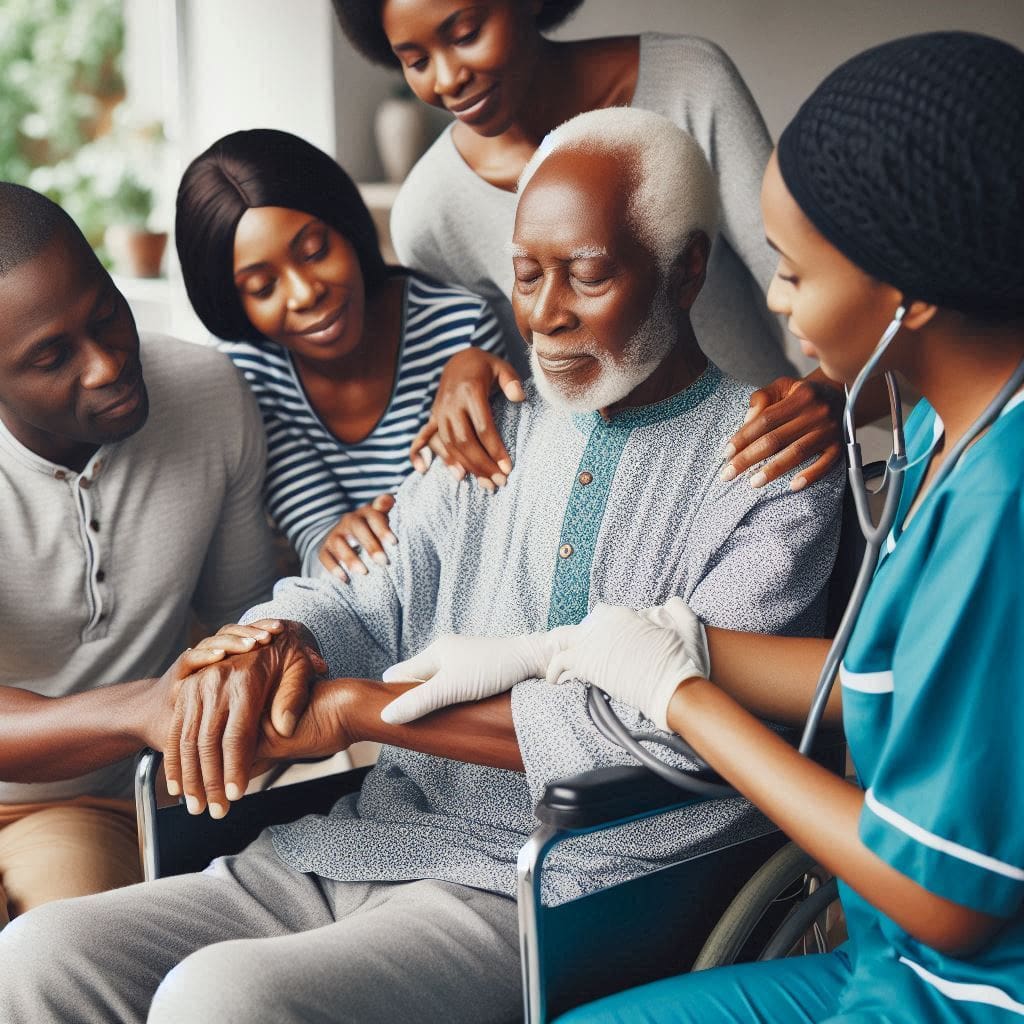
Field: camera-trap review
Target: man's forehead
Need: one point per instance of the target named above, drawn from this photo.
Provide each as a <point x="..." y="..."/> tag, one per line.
<point x="578" y="198"/>
<point x="42" y="295"/>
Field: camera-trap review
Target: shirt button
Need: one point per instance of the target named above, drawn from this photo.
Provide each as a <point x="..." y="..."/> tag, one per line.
<point x="586" y="478"/>
<point x="60" y="475"/>
<point x="565" y="551"/>
<point x="85" y="483"/>
<point x="94" y="525"/>
<point x="100" y="575"/>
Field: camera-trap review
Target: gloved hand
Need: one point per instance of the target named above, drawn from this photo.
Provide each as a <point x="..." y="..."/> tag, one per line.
<point x="634" y="659"/>
<point x="454" y="669"/>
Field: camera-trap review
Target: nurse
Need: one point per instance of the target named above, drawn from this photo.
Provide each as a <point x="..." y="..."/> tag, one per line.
<point x="898" y="183"/>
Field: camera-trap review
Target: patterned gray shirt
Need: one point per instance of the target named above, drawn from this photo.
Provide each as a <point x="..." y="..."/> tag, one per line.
<point x="627" y="512"/>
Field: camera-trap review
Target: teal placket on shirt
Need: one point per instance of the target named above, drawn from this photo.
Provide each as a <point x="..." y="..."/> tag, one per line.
<point x="584" y="512"/>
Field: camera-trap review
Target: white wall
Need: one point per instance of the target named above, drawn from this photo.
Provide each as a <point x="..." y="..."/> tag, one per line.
<point x="783" y="48"/>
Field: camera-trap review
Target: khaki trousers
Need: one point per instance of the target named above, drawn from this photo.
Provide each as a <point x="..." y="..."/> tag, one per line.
<point x="72" y="848"/>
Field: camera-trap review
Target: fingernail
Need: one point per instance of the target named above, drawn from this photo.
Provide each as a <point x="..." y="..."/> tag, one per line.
<point x="798" y="483"/>
<point x="218" y="810"/>
<point x="427" y="455"/>
<point x="192" y="803"/>
<point x="275" y="623"/>
<point x="457" y="472"/>
<point x="729" y="473"/>
<point x="173" y="788"/>
<point x="341" y="577"/>
<point x="516" y="392"/>
<point x="758" y="480"/>
<point x="232" y="791"/>
<point x="380" y="558"/>
<point x="499" y="479"/>
<point x="751" y="413"/>
<point x="216" y="651"/>
<point x="485" y="485"/>
<point x="730" y="451"/>
<point x="248" y="641"/>
<point x="391" y="540"/>
<point x="505" y="465"/>
<point x="288" y="723"/>
<point x="361" y="569"/>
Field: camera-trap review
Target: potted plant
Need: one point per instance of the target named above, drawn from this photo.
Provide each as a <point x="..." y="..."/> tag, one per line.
<point x="134" y="249"/>
<point x="109" y="187"/>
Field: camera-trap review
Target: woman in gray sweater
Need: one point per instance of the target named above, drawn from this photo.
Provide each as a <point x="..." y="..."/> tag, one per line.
<point x="507" y="86"/>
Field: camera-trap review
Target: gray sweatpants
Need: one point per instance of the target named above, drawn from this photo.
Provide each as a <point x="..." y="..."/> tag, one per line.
<point x="251" y="941"/>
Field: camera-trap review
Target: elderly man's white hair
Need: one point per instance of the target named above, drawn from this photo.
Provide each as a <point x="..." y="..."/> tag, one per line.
<point x="675" y="194"/>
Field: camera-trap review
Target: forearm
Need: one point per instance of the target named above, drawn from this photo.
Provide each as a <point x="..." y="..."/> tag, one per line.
<point x="818" y="810"/>
<point x="481" y="732"/>
<point x="47" y="738"/>
<point x="773" y="677"/>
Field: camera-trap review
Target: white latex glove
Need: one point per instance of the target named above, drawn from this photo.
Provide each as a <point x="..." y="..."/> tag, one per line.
<point x="675" y="614"/>
<point x="454" y="669"/>
<point x="633" y="659"/>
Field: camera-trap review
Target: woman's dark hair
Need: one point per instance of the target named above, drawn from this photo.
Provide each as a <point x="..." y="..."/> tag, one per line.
<point x="259" y="167"/>
<point x="361" y="22"/>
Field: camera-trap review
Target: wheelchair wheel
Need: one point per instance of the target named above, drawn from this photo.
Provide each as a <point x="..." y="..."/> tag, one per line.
<point x="769" y="918"/>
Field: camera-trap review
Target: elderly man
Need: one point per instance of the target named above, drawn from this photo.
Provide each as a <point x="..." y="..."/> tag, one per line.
<point x="120" y="510"/>
<point x="616" y="497"/>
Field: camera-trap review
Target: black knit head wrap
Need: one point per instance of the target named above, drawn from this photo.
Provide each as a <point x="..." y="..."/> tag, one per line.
<point x="909" y="159"/>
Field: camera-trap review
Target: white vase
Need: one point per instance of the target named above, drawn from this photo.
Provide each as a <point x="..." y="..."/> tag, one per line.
<point x="401" y="134"/>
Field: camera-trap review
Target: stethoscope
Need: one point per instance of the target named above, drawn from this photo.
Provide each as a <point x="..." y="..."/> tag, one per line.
<point x="698" y="778"/>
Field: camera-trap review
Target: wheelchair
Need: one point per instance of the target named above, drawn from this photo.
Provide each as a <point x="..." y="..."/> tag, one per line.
<point x="565" y="949"/>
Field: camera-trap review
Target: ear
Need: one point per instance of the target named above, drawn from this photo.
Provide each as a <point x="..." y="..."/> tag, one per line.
<point x="686" y="275"/>
<point x="919" y="314"/>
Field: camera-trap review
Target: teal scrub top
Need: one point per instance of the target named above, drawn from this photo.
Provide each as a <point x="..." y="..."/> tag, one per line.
<point x="933" y="704"/>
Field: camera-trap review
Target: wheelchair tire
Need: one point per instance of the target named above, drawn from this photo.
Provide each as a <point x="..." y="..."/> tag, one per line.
<point x="784" y="876"/>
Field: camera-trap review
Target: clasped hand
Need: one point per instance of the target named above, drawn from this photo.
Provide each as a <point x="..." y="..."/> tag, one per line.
<point x="237" y="696"/>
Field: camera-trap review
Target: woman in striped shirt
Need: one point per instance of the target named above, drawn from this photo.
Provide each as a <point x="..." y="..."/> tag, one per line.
<point x="343" y="353"/>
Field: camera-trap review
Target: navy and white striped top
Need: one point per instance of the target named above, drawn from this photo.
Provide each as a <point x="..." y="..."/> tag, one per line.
<point x="313" y="478"/>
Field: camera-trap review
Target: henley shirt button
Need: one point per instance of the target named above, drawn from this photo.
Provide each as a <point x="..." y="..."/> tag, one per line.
<point x="94" y="525"/>
<point x="60" y="475"/>
<point x="565" y="551"/>
<point x="100" y="575"/>
<point x="85" y="483"/>
<point x="586" y="478"/>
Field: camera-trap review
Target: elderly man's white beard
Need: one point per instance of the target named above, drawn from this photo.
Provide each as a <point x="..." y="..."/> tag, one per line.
<point x="642" y="355"/>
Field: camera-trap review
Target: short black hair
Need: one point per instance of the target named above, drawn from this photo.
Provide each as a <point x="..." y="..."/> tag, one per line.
<point x="360" y="20"/>
<point x="259" y="167"/>
<point x="29" y="221"/>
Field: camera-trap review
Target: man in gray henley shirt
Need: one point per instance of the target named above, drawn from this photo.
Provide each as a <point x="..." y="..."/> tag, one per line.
<point x="123" y="503"/>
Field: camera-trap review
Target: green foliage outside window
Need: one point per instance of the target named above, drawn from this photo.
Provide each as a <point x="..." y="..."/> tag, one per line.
<point x="61" y="129"/>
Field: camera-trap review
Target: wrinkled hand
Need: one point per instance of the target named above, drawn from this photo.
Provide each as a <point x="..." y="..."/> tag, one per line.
<point x="454" y="669"/>
<point x="366" y="527"/>
<point x="789" y="422"/>
<point x="461" y="429"/>
<point x="211" y="742"/>
<point x="631" y="658"/>
<point x="230" y="639"/>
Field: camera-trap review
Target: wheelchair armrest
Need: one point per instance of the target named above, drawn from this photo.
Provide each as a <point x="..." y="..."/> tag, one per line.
<point x="174" y="842"/>
<point x="604" y="795"/>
